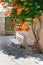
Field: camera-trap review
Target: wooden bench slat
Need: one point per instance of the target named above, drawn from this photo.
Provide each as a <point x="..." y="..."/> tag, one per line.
<point x="15" y="41"/>
<point x="18" y="41"/>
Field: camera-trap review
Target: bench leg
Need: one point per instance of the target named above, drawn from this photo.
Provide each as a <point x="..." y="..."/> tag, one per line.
<point x="18" y="46"/>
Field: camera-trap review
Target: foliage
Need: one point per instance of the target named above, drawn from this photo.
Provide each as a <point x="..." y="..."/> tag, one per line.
<point x="23" y="11"/>
<point x="40" y="2"/>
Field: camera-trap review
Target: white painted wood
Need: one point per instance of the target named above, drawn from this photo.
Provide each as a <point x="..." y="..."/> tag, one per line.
<point x="18" y="41"/>
<point x="15" y="41"/>
<point x="19" y="37"/>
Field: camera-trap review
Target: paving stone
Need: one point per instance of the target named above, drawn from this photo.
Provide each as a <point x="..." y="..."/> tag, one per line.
<point x="9" y="55"/>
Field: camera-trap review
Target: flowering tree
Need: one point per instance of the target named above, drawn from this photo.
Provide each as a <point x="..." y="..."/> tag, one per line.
<point x="24" y="11"/>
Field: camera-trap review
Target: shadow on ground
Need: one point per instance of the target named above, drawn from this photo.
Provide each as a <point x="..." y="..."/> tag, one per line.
<point x="18" y="53"/>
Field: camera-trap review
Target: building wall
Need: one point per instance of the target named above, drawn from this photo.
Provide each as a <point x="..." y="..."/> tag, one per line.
<point x="2" y="23"/>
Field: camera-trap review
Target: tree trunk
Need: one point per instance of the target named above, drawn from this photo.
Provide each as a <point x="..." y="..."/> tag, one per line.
<point x="36" y="34"/>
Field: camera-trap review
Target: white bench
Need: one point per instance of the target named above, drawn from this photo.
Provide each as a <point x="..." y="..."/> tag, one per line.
<point x="18" y="41"/>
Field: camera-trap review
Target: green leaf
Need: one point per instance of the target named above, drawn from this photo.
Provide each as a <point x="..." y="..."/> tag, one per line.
<point x="10" y="1"/>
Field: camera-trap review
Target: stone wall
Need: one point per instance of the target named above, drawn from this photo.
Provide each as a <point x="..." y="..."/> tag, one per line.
<point x="2" y="23"/>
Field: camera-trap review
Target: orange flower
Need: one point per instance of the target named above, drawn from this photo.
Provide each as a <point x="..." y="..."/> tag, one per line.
<point x="11" y="27"/>
<point x="25" y="27"/>
<point x="18" y="6"/>
<point x="19" y="11"/>
<point x="9" y="12"/>
<point x="6" y="13"/>
<point x="17" y="29"/>
<point x="4" y="6"/>
<point x="15" y="1"/>
<point x="14" y="23"/>
<point x="21" y="22"/>
<point x="15" y="7"/>
<point x="35" y="19"/>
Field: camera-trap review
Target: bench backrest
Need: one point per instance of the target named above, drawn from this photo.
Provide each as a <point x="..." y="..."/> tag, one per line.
<point x="19" y="37"/>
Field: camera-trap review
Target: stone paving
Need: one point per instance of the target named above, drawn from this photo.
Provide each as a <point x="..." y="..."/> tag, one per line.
<point x="13" y="56"/>
<point x="9" y="55"/>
